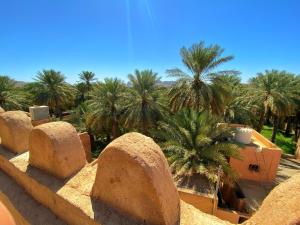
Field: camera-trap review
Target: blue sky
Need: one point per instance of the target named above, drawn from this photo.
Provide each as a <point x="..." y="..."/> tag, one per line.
<point x="114" y="37"/>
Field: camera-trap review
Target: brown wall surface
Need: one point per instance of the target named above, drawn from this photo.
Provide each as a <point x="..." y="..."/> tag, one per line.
<point x="86" y="142"/>
<point x="203" y="202"/>
<point x="268" y="161"/>
<point x="228" y="215"/>
<point x="7" y="210"/>
<point x="39" y="122"/>
<point x="60" y="206"/>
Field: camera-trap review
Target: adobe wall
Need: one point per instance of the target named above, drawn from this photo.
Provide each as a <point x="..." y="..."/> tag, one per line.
<point x="70" y="201"/>
<point x="86" y="142"/>
<point x="15" y="127"/>
<point x="205" y="203"/>
<point x="267" y="143"/>
<point x="8" y="213"/>
<point x="63" y="208"/>
<point x="56" y="148"/>
<point x="268" y="161"/>
<point x="281" y="206"/>
<point x="228" y="215"/>
<point x="133" y="177"/>
<point x="39" y="122"/>
<point x="1" y="110"/>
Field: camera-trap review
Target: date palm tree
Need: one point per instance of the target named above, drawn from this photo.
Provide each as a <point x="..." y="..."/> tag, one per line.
<point x="10" y="96"/>
<point x="277" y="91"/>
<point x="105" y="106"/>
<point x="202" y="89"/>
<point x="87" y="77"/>
<point x="50" y="88"/>
<point x="146" y="104"/>
<point x="241" y="106"/>
<point x="195" y="144"/>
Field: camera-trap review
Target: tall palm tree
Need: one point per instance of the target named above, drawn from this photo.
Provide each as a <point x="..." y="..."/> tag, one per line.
<point x="10" y="96"/>
<point x="51" y="88"/>
<point x="105" y="107"/>
<point x="81" y="90"/>
<point x="240" y="106"/>
<point x="195" y="144"/>
<point x="145" y="104"/>
<point x="202" y="89"/>
<point x="277" y="92"/>
<point x="87" y="77"/>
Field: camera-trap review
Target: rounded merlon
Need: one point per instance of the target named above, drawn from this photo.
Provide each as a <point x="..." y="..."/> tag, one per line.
<point x="15" y="127"/>
<point x="281" y="206"/>
<point x="56" y="148"/>
<point x="133" y="177"/>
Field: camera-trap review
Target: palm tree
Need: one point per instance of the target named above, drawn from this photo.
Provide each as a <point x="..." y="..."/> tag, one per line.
<point x="10" y="96"/>
<point x="146" y="104"/>
<point x="201" y="90"/>
<point x="87" y="77"/>
<point x="51" y="88"/>
<point x="277" y="92"/>
<point x="105" y="107"/>
<point x="240" y="106"/>
<point x="81" y="90"/>
<point x="196" y="145"/>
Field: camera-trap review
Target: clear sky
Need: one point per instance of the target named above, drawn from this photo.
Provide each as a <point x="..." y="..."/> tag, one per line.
<point x="114" y="37"/>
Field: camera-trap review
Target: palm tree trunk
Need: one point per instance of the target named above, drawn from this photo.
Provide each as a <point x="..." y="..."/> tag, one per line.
<point x="261" y="121"/>
<point x="144" y="122"/>
<point x="268" y="116"/>
<point x="114" y="129"/>
<point x="288" y="127"/>
<point x="275" y="128"/>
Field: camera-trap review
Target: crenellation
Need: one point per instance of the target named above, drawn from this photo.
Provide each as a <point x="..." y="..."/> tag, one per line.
<point x="56" y="148"/>
<point x="15" y="127"/>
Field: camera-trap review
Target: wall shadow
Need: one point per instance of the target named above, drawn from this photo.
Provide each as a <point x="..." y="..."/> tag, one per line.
<point x="31" y="210"/>
<point x="106" y="215"/>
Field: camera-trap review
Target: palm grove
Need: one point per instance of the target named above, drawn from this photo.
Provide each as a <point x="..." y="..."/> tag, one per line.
<point x="183" y="118"/>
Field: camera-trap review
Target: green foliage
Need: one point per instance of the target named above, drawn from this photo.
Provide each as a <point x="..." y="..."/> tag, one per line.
<point x="286" y="143"/>
<point x="183" y="118"/>
<point x="195" y="144"/>
<point x="105" y="106"/>
<point x="203" y="89"/>
<point x="87" y="78"/>
<point x="240" y="106"/>
<point x="277" y="91"/>
<point x="145" y="102"/>
<point x="11" y="97"/>
<point x="50" y="88"/>
<point x="78" y="118"/>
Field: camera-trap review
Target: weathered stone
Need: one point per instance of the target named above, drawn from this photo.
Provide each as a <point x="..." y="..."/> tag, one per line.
<point x="15" y="127"/>
<point x="281" y="206"/>
<point x="133" y="177"/>
<point x="86" y="142"/>
<point x="56" y="148"/>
